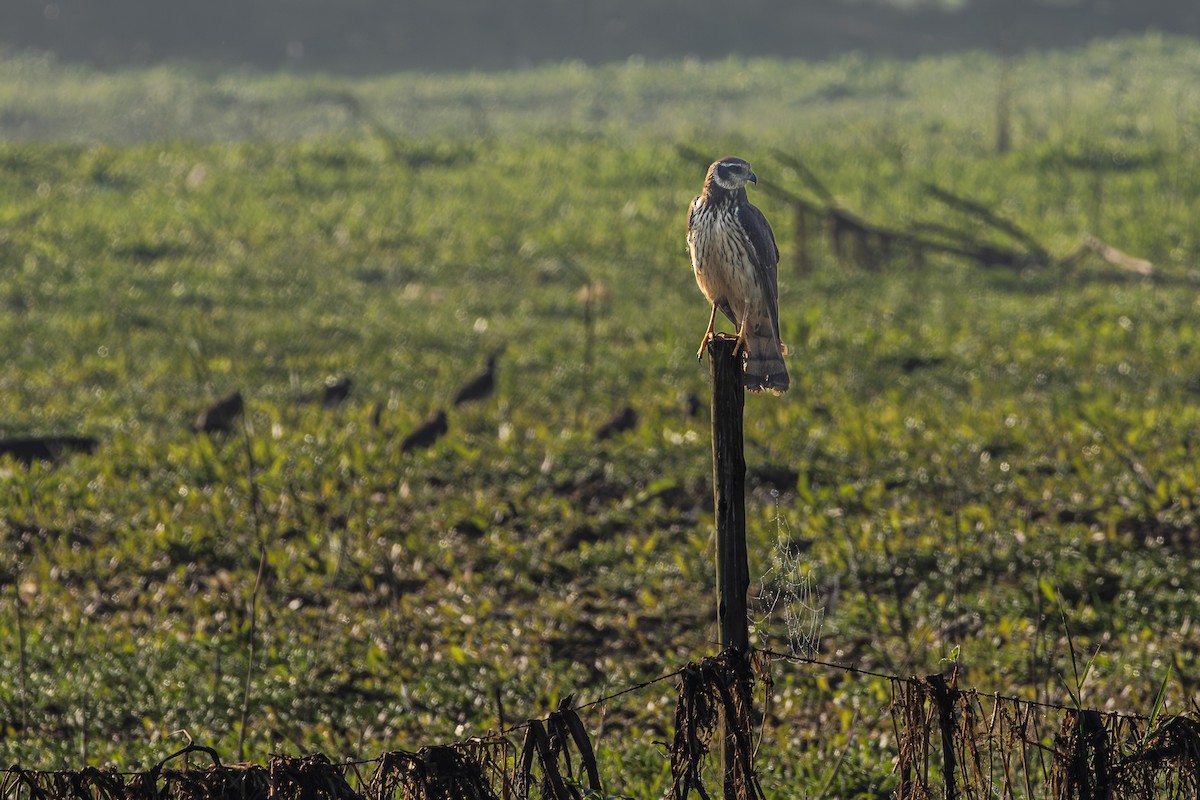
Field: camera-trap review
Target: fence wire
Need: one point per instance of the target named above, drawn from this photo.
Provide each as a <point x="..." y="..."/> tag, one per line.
<point x="949" y="743"/>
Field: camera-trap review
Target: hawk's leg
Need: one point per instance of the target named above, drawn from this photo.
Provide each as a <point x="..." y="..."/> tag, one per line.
<point x="740" y="346"/>
<point x="712" y="318"/>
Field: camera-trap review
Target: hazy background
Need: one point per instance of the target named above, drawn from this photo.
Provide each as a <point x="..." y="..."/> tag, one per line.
<point x="384" y="35"/>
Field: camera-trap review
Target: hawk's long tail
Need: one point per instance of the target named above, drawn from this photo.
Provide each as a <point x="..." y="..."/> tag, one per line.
<point x="764" y="368"/>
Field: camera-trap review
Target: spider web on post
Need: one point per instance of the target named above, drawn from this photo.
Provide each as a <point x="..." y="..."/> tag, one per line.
<point x="789" y="605"/>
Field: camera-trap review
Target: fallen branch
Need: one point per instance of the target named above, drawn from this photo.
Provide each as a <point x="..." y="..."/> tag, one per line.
<point x="991" y="220"/>
<point x="1110" y="254"/>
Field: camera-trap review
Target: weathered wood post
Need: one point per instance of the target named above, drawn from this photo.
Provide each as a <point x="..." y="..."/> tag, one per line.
<point x="729" y="493"/>
<point x="729" y="503"/>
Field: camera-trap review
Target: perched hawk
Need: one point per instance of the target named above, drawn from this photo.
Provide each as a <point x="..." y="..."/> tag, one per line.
<point x="735" y="259"/>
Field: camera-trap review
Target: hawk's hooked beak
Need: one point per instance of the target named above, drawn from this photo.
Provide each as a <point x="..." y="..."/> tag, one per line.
<point x="753" y="178"/>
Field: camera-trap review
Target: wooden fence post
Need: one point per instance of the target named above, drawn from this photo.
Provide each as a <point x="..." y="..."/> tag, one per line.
<point x="729" y="494"/>
<point x="729" y="503"/>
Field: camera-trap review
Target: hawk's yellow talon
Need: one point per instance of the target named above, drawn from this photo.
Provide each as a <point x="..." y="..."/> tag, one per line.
<point x="708" y="334"/>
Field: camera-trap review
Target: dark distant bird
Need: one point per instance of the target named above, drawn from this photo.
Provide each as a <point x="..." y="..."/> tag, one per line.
<point x="28" y="449"/>
<point x="625" y="419"/>
<point x="426" y="433"/>
<point x="219" y="417"/>
<point x="331" y="395"/>
<point x="479" y="386"/>
<point x="335" y="393"/>
<point x="735" y="259"/>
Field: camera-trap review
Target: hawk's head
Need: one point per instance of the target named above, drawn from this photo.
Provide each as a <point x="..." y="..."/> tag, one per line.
<point x="731" y="173"/>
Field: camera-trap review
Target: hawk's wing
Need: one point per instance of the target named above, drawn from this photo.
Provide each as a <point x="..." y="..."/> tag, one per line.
<point x="765" y="253"/>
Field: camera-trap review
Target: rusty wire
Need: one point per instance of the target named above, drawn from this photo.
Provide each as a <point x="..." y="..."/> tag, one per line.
<point x="951" y="742"/>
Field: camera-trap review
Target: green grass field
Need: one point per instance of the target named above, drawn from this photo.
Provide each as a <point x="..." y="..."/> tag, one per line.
<point x="966" y="458"/>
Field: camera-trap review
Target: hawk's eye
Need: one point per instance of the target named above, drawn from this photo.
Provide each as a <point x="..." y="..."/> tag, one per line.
<point x="731" y="172"/>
